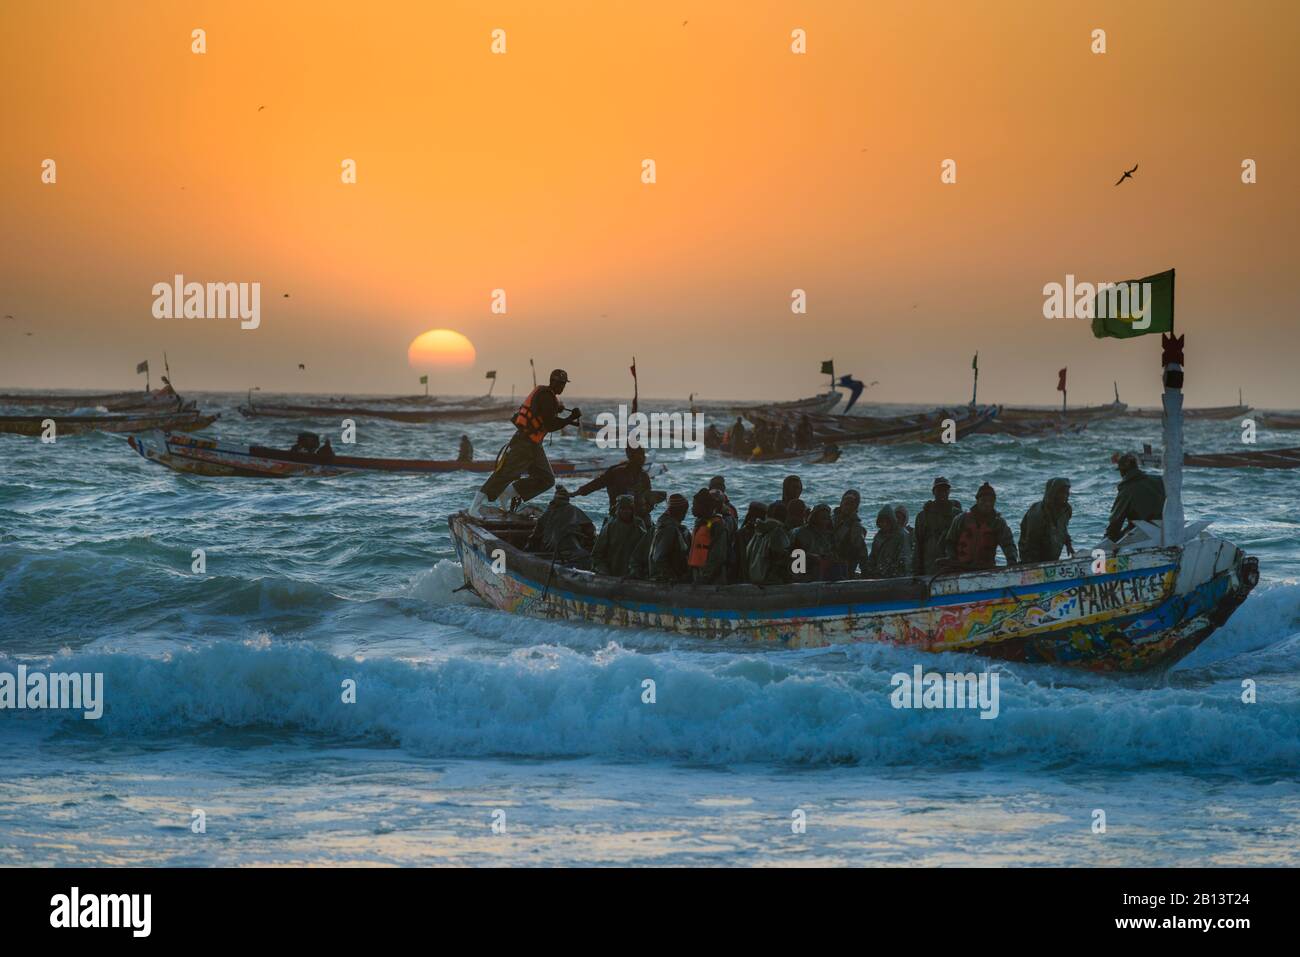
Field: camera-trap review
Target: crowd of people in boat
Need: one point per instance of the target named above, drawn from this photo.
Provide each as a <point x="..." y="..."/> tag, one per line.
<point x="766" y="438"/>
<point x="704" y="539"/>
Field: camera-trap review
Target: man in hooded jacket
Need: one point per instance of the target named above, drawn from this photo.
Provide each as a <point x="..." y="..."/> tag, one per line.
<point x="618" y="540"/>
<point x="1045" y="529"/>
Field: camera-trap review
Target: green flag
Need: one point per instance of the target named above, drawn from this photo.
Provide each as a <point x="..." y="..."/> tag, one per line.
<point x="424" y="380"/>
<point x="1135" y="307"/>
<point x="828" y="367"/>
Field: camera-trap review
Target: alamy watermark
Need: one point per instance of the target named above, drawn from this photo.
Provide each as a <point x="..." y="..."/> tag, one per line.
<point x="931" y="689"/>
<point x="654" y="430"/>
<point x="1123" y="300"/>
<point x="214" y="300"/>
<point x="58" y="690"/>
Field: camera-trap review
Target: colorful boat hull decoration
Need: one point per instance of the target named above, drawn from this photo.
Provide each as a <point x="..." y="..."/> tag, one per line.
<point x="183" y="453"/>
<point x="1147" y="610"/>
<point x="132" y="422"/>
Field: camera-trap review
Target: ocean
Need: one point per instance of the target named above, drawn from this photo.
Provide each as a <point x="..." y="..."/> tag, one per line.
<point x="481" y="738"/>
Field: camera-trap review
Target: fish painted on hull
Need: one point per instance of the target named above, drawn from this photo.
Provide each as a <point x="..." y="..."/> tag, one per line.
<point x="1148" y="609"/>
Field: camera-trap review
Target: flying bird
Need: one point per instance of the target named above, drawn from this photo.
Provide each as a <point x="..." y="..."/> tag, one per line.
<point x="684" y="22"/>
<point x="260" y="109"/>
<point x="1128" y="174"/>
<point x="286" y="295"/>
<point x="302" y="367"/>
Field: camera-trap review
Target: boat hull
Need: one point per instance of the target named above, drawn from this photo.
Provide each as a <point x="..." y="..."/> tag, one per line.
<point x="81" y="424"/>
<point x="193" y="456"/>
<point x="489" y="413"/>
<point x="1146" y="611"/>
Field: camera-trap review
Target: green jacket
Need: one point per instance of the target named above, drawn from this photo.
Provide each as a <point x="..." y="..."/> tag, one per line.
<point x="889" y="549"/>
<point x="1045" y="531"/>
<point x="560" y="531"/>
<point x="850" y="541"/>
<point x="819" y="549"/>
<point x="615" y="546"/>
<point x="714" y="569"/>
<point x="768" y="555"/>
<point x="1141" y="498"/>
<point x="931" y="530"/>
<point x="669" y="549"/>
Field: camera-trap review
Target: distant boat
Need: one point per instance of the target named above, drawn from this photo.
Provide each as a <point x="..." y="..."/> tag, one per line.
<point x="814" y="404"/>
<point x="184" y="453"/>
<point x="888" y="430"/>
<point x="822" y="456"/>
<point x="189" y="420"/>
<point x="1244" y="459"/>
<point x="479" y="412"/>
<point x="112" y="401"/>
<point x="1278" y="420"/>
<point x="1208" y="413"/>
<point x="1083" y="413"/>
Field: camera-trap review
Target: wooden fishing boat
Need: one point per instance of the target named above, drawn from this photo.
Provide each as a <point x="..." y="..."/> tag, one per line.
<point x="1084" y="413"/>
<point x="498" y="410"/>
<point x="1252" y="459"/>
<point x="1032" y="428"/>
<point x="194" y="456"/>
<point x="189" y="420"/>
<point x="814" y="404"/>
<point x="891" y="430"/>
<point x="821" y="456"/>
<point x="1278" y="420"/>
<point x="1148" y="609"/>
<point x="159" y="399"/>
<point x="1210" y="413"/>
<point x="1245" y="459"/>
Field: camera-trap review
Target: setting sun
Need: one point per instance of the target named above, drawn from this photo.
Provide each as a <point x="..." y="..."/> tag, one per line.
<point x="440" y="349"/>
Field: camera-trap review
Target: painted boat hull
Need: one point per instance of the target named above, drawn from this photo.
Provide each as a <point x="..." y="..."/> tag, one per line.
<point x="1149" y="609"/>
<point x="183" y="453"/>
<point x="81" y="424"/>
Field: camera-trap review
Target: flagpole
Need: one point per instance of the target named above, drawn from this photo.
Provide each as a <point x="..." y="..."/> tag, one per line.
<point x="1171" y="526"/>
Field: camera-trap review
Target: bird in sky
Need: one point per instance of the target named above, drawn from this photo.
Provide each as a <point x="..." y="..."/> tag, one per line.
<point x="286" y="295"/>
<point x="260" y="109"/>
<point x="1128" y="174"/>
<point x="301" y="367"/>
<point x="684" y="22"/>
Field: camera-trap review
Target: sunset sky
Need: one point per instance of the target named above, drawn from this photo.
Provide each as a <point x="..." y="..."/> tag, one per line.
<point x="776" y="171"/>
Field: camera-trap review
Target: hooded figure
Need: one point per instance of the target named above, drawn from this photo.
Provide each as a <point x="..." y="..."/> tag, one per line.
<point x="562" y="530"/>
<point x="796" y="513"/>
<point x="710" y="540"/>
<point x="791" y="488"/>
<point x="617" y="541"/>
<point x="975" y="536"/>
<point x="768" y="555"/>
<point x="932" y="526"/>
<point x="1045" y="529"/>
<point x="889" y="547"/>
<point x="817" y="539"/>
<point x="909" y="536"/>
<point x="1141" y="498"/>
<point x="669" y="548"/>
<point x="851" y="552"/>
<point x="744" y="535"/>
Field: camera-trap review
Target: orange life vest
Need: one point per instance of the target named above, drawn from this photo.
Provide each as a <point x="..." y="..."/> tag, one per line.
<point x="529" y="422"/>
<point x="701" y="542"/>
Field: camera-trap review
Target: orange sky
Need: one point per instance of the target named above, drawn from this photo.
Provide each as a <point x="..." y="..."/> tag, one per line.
<point x="775" y="171"/>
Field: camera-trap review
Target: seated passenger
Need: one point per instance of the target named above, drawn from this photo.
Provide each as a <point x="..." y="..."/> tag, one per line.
<point x="888" y="548"/>
<point x="851" y="554"/>
<point x="710" y="541"/>
<point x="618" y="540"/>
<point x="669" y="548"/>
<point x="816" y="538"/>
<point x="563" y="530"/>
<point x="796" y="513"/>
<point x="744" y="535"/>
<point x="909" y="536"/>
<point x="768" y="555"/>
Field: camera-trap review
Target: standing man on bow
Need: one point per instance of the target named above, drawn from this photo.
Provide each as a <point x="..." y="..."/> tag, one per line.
<point x="524" y="471"/>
